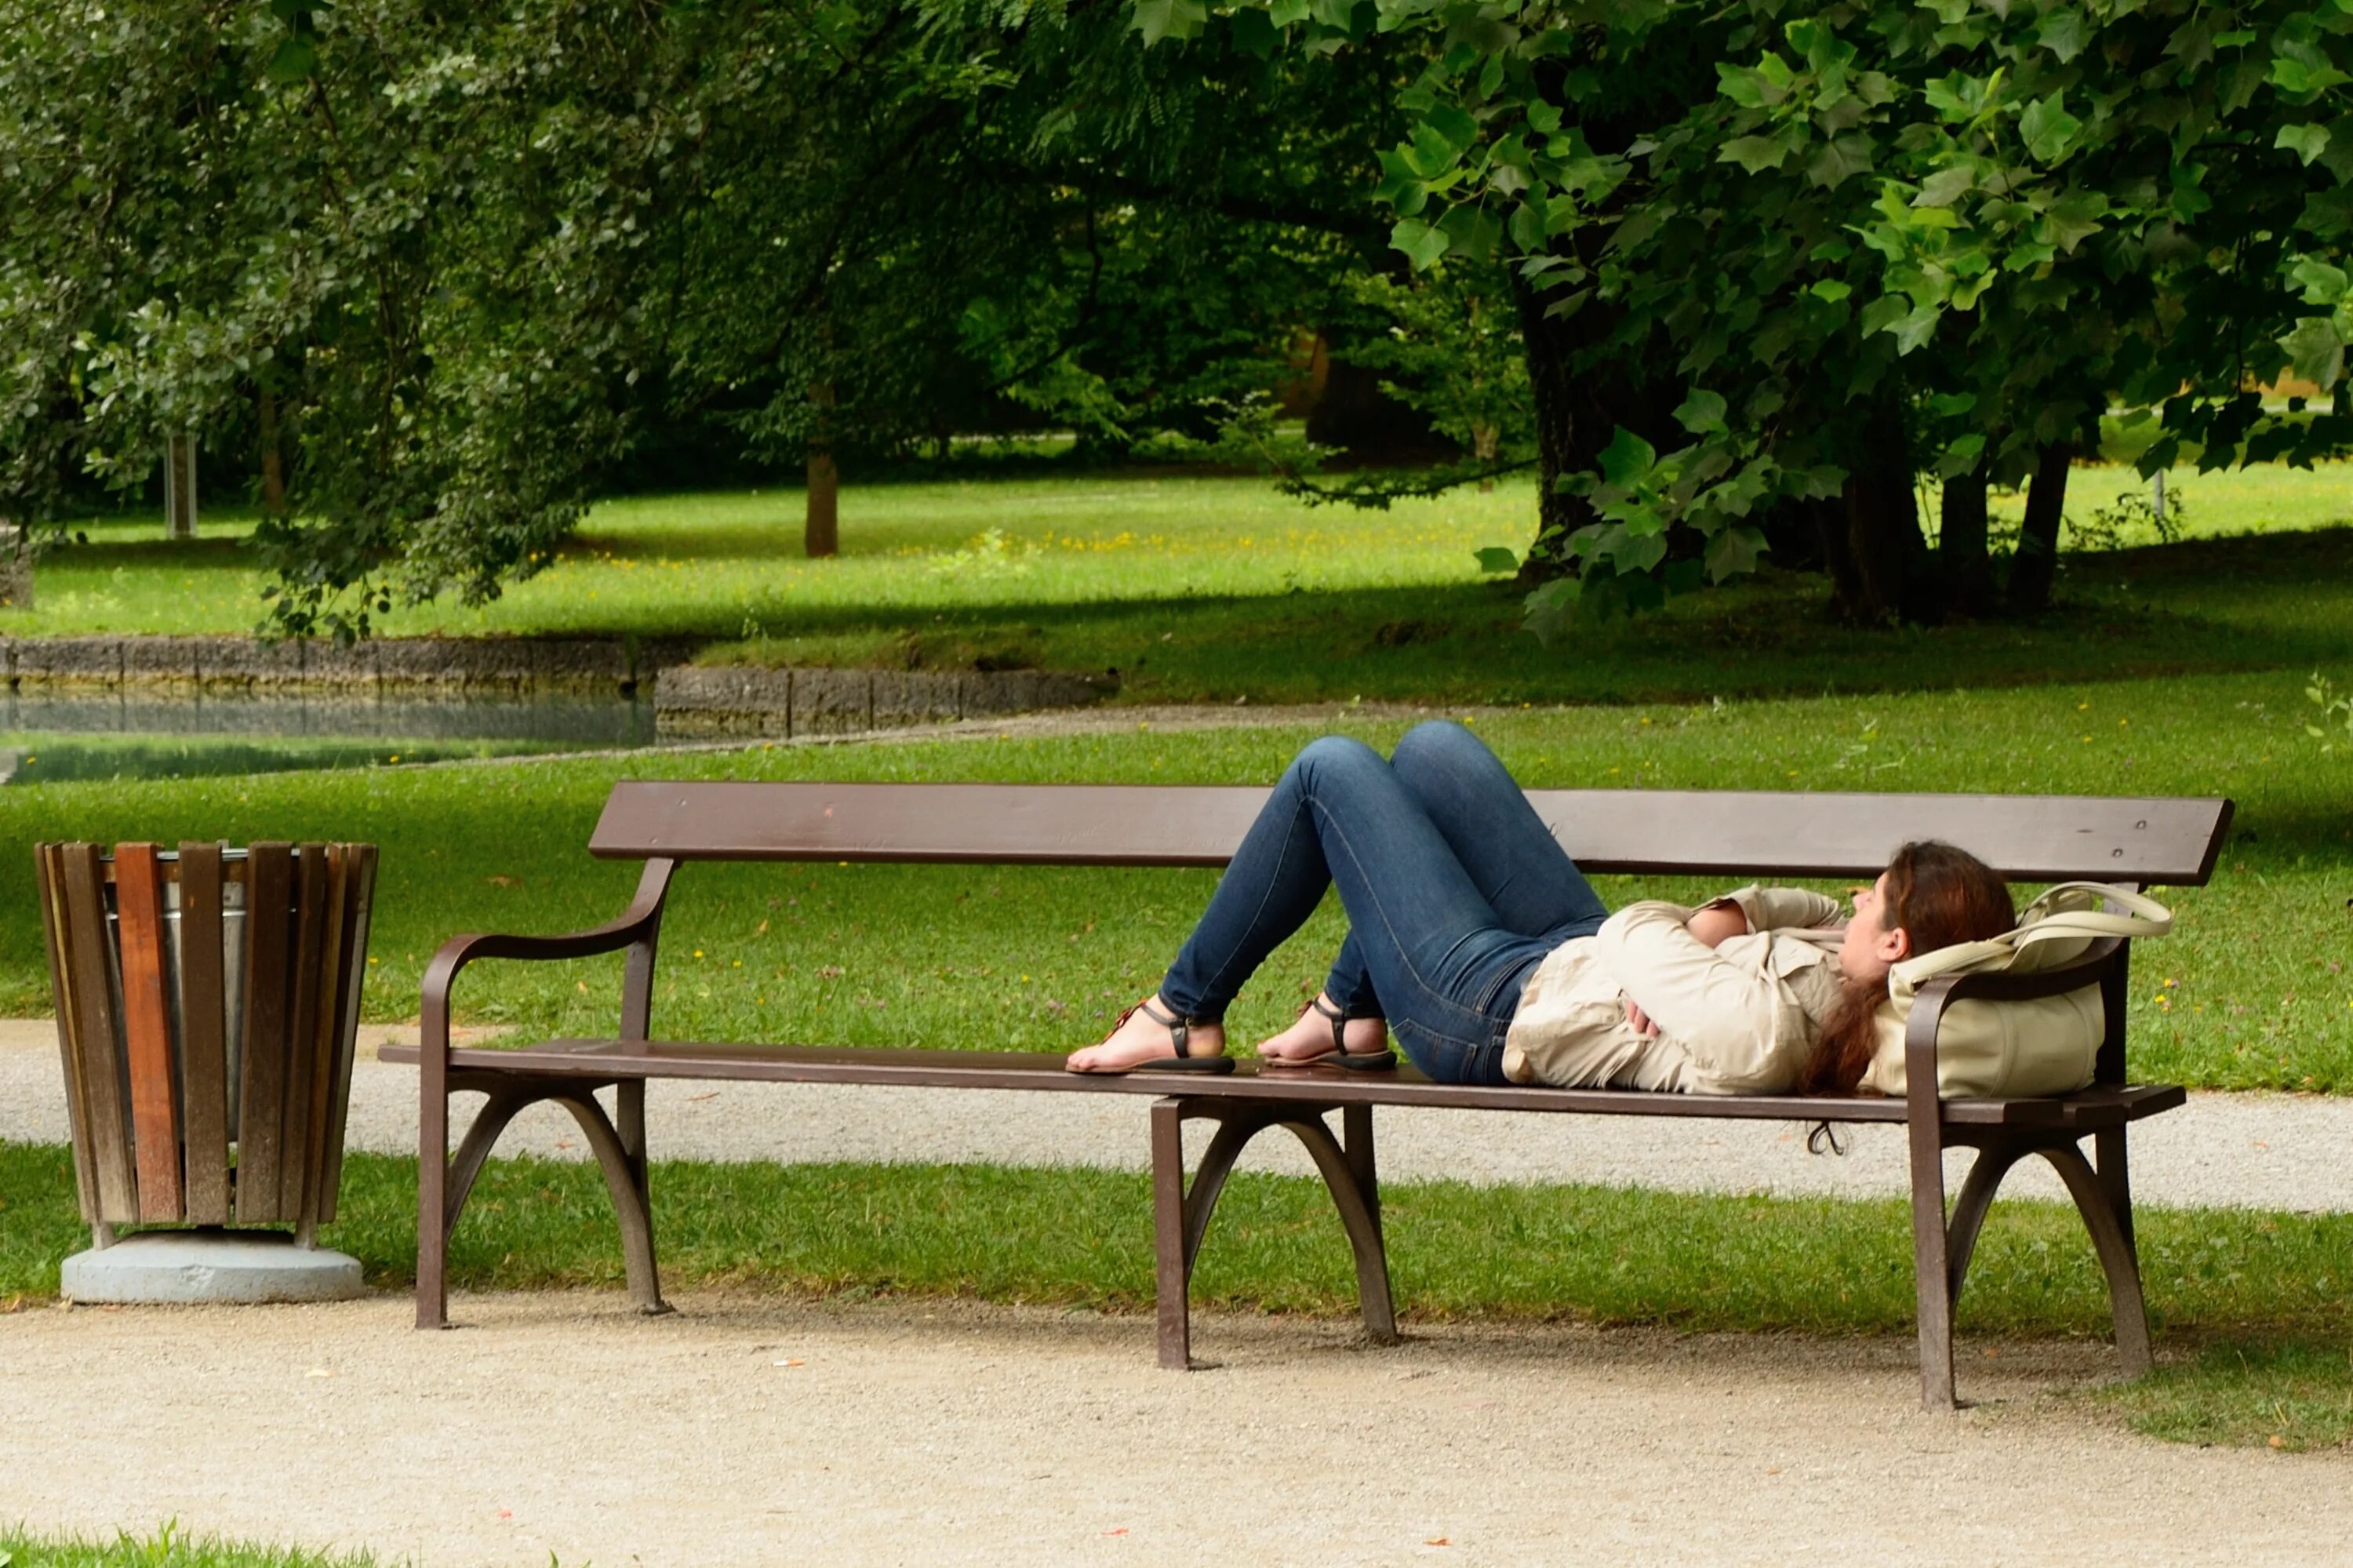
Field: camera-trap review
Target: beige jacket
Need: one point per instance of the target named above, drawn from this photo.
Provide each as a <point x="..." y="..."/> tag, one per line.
<point x="1739" y="1019"/>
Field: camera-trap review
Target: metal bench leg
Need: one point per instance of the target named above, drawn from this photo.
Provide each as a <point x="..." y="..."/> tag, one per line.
<point x="1931" y="1271"/>
<point x="2111" y="1228"/>
<point x="1170" y="1263"/>
<point x="632" y="1206"/>
<point x="432" y="1170"/>
<point x="1348" y="1175"/>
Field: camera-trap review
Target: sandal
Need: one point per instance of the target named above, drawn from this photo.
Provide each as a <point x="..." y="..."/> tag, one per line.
<point x="1382" y="1060"/>
<point x="1179" y="1032"/>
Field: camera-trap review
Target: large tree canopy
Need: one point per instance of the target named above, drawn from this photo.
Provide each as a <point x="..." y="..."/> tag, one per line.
<point x="442" y="266"/>
<point x="1778" y="259"/>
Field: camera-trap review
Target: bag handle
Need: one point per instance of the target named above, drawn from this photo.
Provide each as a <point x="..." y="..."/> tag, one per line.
<point x="2143" y="917"/>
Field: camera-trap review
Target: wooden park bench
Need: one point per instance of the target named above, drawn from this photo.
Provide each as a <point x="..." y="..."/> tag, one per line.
<point x="2127" y="843"/>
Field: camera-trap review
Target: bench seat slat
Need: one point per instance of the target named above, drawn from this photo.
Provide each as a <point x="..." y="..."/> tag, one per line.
<point x="2047" y="838"/>
<point x="609" y="1060"/>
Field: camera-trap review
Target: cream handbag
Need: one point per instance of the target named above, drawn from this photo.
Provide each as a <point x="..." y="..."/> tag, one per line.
<point x="2046" y="1046"/>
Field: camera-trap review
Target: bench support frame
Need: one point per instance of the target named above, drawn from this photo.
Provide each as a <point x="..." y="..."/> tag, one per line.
<point x="1180" y="1218"/>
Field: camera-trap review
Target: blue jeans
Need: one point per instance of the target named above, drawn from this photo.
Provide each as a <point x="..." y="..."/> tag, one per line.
<point x="1453" y="887"/>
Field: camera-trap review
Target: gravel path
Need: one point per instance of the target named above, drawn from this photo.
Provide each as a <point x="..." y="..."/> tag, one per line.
<point x="754" y="1431"/>
<point x="2259" y="1151"/>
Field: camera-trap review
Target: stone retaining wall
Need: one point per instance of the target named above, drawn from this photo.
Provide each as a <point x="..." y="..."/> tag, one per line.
<point x="479" y="664"/>
<point x="693" y="700"/>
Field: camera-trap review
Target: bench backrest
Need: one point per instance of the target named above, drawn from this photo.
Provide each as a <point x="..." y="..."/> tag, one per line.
<point x="2148" y="840"/>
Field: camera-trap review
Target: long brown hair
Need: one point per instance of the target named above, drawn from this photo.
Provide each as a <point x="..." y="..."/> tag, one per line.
<point x="1940" y="895"/>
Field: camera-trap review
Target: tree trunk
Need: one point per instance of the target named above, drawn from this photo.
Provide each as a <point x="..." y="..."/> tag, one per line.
<point x="1573" y="419"/>
<point x="821" y="533"/>
<point x="1961" y="555"/>
<point x="2036" y="561"/>
<point x="273" y="462"/>
<point x="1872" y="539"/>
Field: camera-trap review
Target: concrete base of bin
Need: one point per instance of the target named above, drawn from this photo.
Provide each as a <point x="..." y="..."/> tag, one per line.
<point x="209" y="1266"/>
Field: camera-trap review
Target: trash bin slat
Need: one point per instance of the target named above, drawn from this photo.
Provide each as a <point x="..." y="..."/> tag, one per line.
<point x="360" y="900"/>
<point x="93" y="993"/>
<point x="147" y="1030"/>
<point x="311" y="901"/>
<point x="54" y="928"/>
<point x="261" y="1089"/>
<point x="204" y="1034"/>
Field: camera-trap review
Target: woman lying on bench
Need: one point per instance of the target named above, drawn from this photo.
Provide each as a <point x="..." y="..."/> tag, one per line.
<point x="1476" y="940"/>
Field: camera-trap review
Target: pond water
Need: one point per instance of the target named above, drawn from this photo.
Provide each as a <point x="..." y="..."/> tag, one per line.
<point x="55" y="739"/>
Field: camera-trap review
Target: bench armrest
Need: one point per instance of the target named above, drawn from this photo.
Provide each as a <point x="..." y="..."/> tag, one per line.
<point x="634" y="926"/>
<point x="1929" y="1002"/>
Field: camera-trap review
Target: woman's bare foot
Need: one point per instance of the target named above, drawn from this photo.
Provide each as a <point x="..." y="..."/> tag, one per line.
<point x="1311" y="1036"/>
<point x="1140" y="1039"/>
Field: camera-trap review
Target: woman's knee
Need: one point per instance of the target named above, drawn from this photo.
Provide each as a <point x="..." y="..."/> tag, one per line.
<point x="1327" y="754"/>
<point x="1439" y="744"/>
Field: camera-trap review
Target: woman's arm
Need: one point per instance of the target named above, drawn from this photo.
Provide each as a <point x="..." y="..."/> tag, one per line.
<point x="1736" y="1020"/>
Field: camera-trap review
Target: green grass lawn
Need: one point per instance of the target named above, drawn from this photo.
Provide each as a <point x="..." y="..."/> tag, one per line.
<point x="1211" y="588"/>
<point x="2249" y="992"/>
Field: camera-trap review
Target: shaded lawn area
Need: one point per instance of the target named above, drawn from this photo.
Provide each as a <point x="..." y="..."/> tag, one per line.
<point x="2249" y="992"/>
<point x="2217" y="1281"/>
<point x="1208" y="589"/>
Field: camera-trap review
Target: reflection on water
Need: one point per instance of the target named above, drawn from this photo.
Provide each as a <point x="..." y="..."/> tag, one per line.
<point x="47" y="739"/>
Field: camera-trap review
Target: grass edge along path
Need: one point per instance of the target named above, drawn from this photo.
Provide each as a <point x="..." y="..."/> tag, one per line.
<point x="168" y="1547"/>
<point x="2245" y="1304"/>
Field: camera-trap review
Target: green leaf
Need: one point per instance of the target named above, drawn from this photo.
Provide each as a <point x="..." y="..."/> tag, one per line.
<point x="1946" y="186"/>
<point x="1882" y="314"/>
<point x="1916" y="329"/>
<point x="1839" y="161"/>
<point x="1422" y="243"/>
<point x="1287" y="13"/>
<point x="1831" y="289"/>
<point x="2048" y="129"/>
<point x="292" y="62"/>
<point x="1734" y="552"/>
<point x="2075" y="218"/>
<point x="1528" y="224"/>
<point x="1471" y="231"/>
<point x="2317" y="350"/>
<point x="2323" y="285"/>
<point x="2293" y="75"/>
<point x="1551" y="609"/>
<point x="1701" y="412"/>
<point x="1627" y="458"/>
<point x="1754" y="153"/>
<point x="2308" y="141"/>
<point x="1545" y="118"/>
<point x="1452" y="124"/>
<point x="1736" y="84"/>
<point x="1158" y="19"/>
<point x="1494" y="559"/>
<point x="1961" y="456"/>
<point x="2064" y="32"/>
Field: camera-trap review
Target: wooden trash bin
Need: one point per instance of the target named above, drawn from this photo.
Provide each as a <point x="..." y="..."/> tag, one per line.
<point x="207" y="1008"/>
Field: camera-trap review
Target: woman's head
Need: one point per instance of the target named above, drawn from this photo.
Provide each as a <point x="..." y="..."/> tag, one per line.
<point x="1931" y="895"/>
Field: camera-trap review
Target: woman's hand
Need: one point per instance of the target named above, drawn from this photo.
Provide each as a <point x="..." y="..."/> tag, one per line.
<point x="1641" y="1022"/>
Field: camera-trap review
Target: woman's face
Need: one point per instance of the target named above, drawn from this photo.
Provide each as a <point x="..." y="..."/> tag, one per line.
<point x="1870" y="947"/>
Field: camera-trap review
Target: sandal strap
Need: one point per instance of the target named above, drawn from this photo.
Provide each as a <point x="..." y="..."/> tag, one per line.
<point x="1338" y="1016"/>
<point x="1179" y="1029"/>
